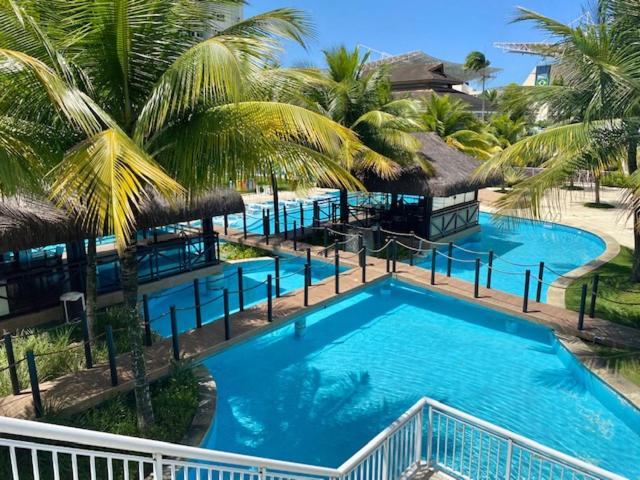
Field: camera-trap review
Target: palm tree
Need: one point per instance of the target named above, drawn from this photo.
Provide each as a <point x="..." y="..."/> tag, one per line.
<point x="595" y="108"/>
<point x="358" y="96"/>
<point x="450" y="119"/>
<point x="107" y="100"/>
<point x="478" y="62"/>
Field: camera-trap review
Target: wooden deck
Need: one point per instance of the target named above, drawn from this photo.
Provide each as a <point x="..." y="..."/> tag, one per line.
<point x="88" y="388"/>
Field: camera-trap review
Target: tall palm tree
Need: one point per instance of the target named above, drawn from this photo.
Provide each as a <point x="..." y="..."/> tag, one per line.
<point x="108" y="99"/>
<point x="595" y="108"/>
<point x="450" y="119"/>
<point x="358" y="96"/>
<point x="478" y="62"/>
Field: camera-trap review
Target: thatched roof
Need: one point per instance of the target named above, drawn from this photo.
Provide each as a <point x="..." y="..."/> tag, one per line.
<point x="28" y="223"/>
<point x="453" y="172"/>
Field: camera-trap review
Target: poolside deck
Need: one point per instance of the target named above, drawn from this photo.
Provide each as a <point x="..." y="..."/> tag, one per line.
<point x="88" y="388"/>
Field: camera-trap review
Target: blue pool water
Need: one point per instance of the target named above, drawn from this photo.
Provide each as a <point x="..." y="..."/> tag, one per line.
<point x="255" y="291"/>
<point x="523" y="242"/>
<point x="364" y="360"/>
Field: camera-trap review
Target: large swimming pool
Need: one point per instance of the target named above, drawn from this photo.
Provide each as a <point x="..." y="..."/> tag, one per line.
<point x="365" y="359"/>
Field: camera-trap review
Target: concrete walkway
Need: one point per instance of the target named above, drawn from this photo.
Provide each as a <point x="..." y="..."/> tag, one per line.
<point x="568" y="208"/>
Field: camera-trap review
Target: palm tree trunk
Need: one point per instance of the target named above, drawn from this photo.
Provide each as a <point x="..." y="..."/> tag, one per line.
<point x="632" y="164"/>
<point x="129" y="275"/>
<point x="596" y="187"/>
<point x="92" y="286"/>
<point x="483" y="99"/>
<point x="276" y="203"/>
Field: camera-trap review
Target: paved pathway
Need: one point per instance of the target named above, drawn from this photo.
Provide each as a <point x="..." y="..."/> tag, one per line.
<point x="90" y="387"/>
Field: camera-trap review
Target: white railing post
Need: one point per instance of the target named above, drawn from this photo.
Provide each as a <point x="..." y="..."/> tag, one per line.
<point x="418" y="436"/>
<point x="507" y="468"/>
<point x="385" y="460"/>
<point x="157" y="466"/>
<point x="429" y="435"/>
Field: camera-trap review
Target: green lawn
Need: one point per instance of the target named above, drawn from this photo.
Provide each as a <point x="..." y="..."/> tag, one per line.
<point x="615" y="290"/>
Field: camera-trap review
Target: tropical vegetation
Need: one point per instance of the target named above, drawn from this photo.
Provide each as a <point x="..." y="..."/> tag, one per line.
<point x="477" y="62"/>
<point x="594" y="109"/>
<point x="103" y="102"/>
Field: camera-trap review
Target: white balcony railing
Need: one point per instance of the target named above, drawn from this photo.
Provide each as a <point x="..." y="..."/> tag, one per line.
<point x="429" y="435"/>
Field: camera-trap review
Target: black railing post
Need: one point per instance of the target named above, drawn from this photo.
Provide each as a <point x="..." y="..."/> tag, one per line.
<point x="337" y="269"/>
<point x="309" y="256"/>
<point x="326" y="242"/>
<point x="86" y="340"/>
<point x="434" y="256"/>
<point x="301" y="218"/>
<point x="35" y="386"/>
<point x="196" y="299"/>
<point x="240" y="289"/>
<point x="363" y="263"/>
<point x="525" y="297"/>
<point x="111" y="349"/>
<point x="226" y="224"/>
<point x="227" y="322"/>
<point x="267" y="227"/>
<point x="476" y="283"/>
<point x="583" y="303"/>
<point x="316" y="214"/>
<point x="306" y="285"/>
<point x="244" y="224"/>
<point x="269" y="298"/>
<point x="277" y="272"/>
<point x="11" y="362"/>
<point x="490" y="269"/>
<point x="387" y="254"/>
<point x="286" y="228"/>
<point x="594" y="295"/>
<point x="295" y="236"/>
<point x="395" y="254"/>
<point x="147" y="320"/>
<point x="540" y="279"/>
<point x="450" y="259"/>
<point x="175" y="343"/>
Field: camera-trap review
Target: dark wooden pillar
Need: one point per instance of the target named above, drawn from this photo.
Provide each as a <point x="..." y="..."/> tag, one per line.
<point x="76" y="264"/>
<point x="209" y="240"/>
<point x="428" y="211"/>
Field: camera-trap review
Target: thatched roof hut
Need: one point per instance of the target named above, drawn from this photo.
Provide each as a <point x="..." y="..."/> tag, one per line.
<point x="27" y="222"/>
<point x="453" y="172"/>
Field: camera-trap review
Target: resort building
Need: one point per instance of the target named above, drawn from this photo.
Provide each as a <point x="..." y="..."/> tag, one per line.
<point x="416" y="74"/>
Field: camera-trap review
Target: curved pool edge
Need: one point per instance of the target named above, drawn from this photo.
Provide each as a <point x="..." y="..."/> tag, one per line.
<point x="205" y="415"/>
<point x="556" y="293"/>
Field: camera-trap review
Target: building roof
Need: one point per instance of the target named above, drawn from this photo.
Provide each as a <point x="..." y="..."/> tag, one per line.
<point x="474" y="104"/>
<point x="453" y="172"/>
<point x="27" y="222"/>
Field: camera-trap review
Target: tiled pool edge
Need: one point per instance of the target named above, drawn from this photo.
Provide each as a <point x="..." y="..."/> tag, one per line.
<point x="557" y="290"/>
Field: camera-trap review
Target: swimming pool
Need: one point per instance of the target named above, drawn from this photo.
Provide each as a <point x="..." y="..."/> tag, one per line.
<point x="518" y="246"/>
<point x="365" y="359"/>
<point x="254" y="287"/>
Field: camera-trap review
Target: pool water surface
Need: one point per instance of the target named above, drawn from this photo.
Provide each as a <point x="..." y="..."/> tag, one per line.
<point x="364" y="360"/>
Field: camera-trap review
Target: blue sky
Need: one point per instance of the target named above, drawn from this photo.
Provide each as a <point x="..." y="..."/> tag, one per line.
<point x="446" y="29"/>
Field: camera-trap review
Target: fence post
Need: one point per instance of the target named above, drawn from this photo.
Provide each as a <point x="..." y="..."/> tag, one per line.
<point x="306" y="285"/>
<point x="226" y="224"/>
<point x="88" y="356"/>
<point x="490" y="269"/>
<point x="240" y="289"/>
<point x="326" y="242"/>
<point x="395" y="254"/>
<point x="476" y="283"/>
<point x="196" y="299"/>
<point x="386" y="253"/>
<point x="269" y="298"/>
<point x="525" y="299"/>
<point x="174" y="333"/>
<point x="337" y="269"/>
<point x="35" y="386"/>
<point x="594" y="295"/>
<point x="295" y="236"/>
<point x="286" y="229"/>
<point x="540" y="277"/>
<point x="429" y="435"/>
<point x="301" y="218"/>
<point x="309" y="256"/>
<point x="11" y="361"/>
<point x="147" y="320"/>
<point x="434" y="254"/>
<point x="316" y="209"/>
<point x="111" y="348"/>
<point x="244" y="224"/>
<point x="267" y="226"/>
<point x="360" y="247"/>
<point x="583" y="301"/>
<point x="509" y="461"/>
<point x="364" y="263"/>
<point x="277" y="272"/>
<point x="417" y="452"/>
<point x="450" y="259"/>
<point x="227" y="323"/>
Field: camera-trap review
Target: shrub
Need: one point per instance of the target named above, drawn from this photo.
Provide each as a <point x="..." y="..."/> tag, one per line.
<point x="235" y="251"/>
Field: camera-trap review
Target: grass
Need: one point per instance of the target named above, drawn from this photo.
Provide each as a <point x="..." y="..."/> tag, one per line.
<point x="600" y="205"/>
<point x="624" y="362"/>
<point x="235" y="251"/>
<point x="618" y="297"/>
<point x="175" y="401"/>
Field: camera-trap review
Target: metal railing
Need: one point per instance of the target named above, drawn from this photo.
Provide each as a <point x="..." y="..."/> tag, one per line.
<point x="430" y="435"/>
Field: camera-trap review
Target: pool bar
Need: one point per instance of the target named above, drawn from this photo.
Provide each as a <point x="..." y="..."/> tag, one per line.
<point x="430" y="435"/>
